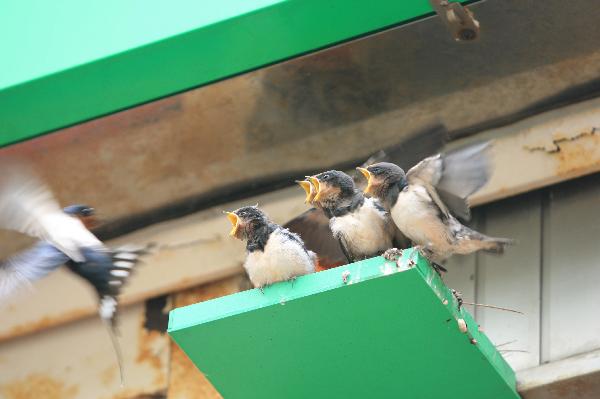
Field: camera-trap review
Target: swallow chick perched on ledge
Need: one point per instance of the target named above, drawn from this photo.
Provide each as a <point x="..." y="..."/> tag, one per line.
<point x="420" y="201"/>
<point x="274" y="254"/>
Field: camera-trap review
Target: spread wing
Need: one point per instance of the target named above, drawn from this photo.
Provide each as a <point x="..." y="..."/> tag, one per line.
<point x="451" y="178"/>
<point x="30" y="265"/>
<point x="28" y="206"/>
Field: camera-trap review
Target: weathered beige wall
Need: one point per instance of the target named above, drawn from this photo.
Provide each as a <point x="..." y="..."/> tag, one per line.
<point x="185" y="380"/>
<point x="76" y="361"/>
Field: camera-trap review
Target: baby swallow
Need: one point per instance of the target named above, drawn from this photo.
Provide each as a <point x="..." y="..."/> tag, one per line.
<point x="274" y="254"/>
<point x="420" y="201"/>
<point x="361" y="224"/>
<point x="28" y="206"/>
<point x="313" y="226"/>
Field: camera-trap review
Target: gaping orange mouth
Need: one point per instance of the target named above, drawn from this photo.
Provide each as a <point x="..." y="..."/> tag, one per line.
<point x="235" y="222"/>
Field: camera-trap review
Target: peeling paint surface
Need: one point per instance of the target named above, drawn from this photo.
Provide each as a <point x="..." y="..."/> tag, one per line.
<point x="543" y="150"/>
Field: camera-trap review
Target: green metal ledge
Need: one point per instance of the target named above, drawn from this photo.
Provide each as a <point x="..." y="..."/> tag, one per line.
<point x="71" y="61"/>
<point x="369" y="329"/>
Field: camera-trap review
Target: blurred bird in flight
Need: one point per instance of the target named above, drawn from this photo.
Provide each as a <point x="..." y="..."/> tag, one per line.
<point x="28" y="206"/>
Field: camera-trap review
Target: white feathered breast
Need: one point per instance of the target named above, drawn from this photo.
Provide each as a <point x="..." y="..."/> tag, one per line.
<point x="282" y="259"/>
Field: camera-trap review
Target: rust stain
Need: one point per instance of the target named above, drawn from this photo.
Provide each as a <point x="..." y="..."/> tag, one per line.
<point x="150" y="345"/>
<point x="133" y="394"/>
<point x="109" y="375"/>
<point x="38" y="386"/>
<point x="146" y="348"/>
<point x="186" y="381"/>
<point x="575" y="156"/>
<point x="45" y="323"/>
<point x="205" y="292"/>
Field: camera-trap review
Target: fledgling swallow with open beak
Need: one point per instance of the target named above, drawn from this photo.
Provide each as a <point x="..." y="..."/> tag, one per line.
<point x="420" y="201"/>
<point x="28" y="206"/>
<point x="309" y="190"/>
<point x="361" y="224"/>
<point x="274" y="254"/>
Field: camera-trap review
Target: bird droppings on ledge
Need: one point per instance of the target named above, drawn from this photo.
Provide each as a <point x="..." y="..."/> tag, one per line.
<point x="345" y="276"/>
<point x="462" y="325"/>
<point x="387" y="269"/>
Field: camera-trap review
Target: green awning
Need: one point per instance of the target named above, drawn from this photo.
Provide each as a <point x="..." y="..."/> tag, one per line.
<point x="369" y="329"/>
<point x="67" y="62"/>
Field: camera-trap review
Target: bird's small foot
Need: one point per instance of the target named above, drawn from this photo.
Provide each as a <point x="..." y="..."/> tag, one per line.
<point x="439" y="269"/>
<point x="459" y="298"/>
<point x="292" y="280"/>
<point x="425" y="251"/>
<point x="392" y="254"/>
<point x="261" y="289"/>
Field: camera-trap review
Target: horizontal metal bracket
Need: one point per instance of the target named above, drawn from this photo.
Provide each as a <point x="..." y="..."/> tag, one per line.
<point x="460" y="21"/>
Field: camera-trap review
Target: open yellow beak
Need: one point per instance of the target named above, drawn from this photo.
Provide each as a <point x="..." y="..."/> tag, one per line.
<point x="367" y="176"/>
<point x="317" y="188"/>
<point x="308" y="189"/>
<point x="235" y="222"/>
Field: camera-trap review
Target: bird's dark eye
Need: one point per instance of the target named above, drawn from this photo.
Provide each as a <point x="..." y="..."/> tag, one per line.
<point x="325" y="177"/>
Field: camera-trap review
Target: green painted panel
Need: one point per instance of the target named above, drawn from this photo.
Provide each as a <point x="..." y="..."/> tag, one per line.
<point x="71" y="61"/>
<point x="387" y="331"/>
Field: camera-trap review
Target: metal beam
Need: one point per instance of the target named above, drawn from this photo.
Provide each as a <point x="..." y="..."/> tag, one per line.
<point x="543" y="150"/>
<point x="121" y="56"/>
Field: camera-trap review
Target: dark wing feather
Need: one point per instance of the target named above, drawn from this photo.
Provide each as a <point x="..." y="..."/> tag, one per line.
<point x="313" y="227"/>
<point x="451" y="178"/>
